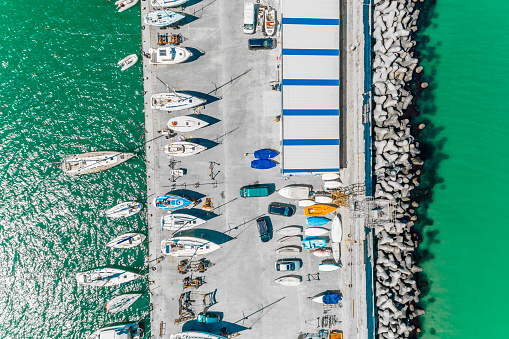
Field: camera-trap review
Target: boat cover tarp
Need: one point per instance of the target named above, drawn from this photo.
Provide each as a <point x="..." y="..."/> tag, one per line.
<point x="331" y="298"/>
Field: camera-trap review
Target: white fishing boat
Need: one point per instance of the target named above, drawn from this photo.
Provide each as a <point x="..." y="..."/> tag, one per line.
<point x="270" y="21"/>
<point x="175" y="101"/>
<point x="336" y="251"/>
<point x="118" y="331"/>
<point x="196" y="335"/>
<point x="289" y="249"/>
<point x="290" y="240"/>
<point x="187" y="246"/>
<point x="169" y="55"/>
<point x="328" y="267"/>
<point x="92" y="162"/>
<point x="123" y="5"/>
<point x="168" y="3"/>
<point x="186" y="123"/>
<point x="296" y="192"/>
<point x="316" y="231"/>
<point x="260" y="18"/>
<point x="336" y="229"/>
<point x="180" y="222"/>
<point x="162" y="18"/>
<point x="289" y="280"/>
<point x="127" y="240"/>
<point x="322" y="252"/>
<point x="183" y="149"/>
<point x="123" y="210"/>
<point x="290" y="230"/>
<point x="330" y="176"/>
<point x="128" y="61"/>
<point x="122" y="302"/>
<point x="306" y="203"/>
<point x="323" y="199"/>
<point x="106" y="276"/>
<point x="332" y="184"/>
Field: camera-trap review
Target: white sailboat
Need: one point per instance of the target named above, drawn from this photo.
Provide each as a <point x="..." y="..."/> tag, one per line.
<point x="128" y="61"/>
<point x="175" y="101"/>
<point x="168" y="3"/>
<point x="187" y="246"/>
<point x="186" y="123"/>
<point x="289" y="280"/>
<point x="118" y="331"/>
<point x="180" y="222"/>
<point x="122" y="302"/>
<point x="169" y="55"/>
<point x="290" y="230"/>
<point x="127" y="240"/>
<point x="162" y="18"/>
<point x="183" y="149"/>
<point x="123" y="5"/>
<point x="196" y="335"/>
<point x="106" y="276"/>
<point x="92" y="162"/>
<point x="296" y="192"/>
<point x="123" y="210"/>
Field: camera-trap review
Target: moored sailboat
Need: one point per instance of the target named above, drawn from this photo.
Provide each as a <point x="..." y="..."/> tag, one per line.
<point x="122" y="210"/>
<point x="106" y="276"/>
<point x="127" y="240"/>
<point x="122" y="302"/>
<point x="92" y="162"/>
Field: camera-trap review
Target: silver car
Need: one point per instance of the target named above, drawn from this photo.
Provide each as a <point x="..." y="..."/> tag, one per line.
<point x="293" y="264"/>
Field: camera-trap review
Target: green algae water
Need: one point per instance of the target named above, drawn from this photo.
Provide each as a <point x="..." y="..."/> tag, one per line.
<point x="63" y="94"/>
<point x="463" y="49"/>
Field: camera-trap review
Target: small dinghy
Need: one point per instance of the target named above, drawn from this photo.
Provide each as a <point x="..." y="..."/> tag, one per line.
<point x="187" y="246"/>
<point x="265" y="154"/>
<point x="186" y="123"/>
<point x="106" y="276"/>
<point x="175" y="101"/>
<point x="127" y="62"/>
<point x="323" y="199"/>
<point x="263" y="164"/>
<point x="93" y="162"/>
<point x="332" y="184"/>
<point x="289" y="249"/>
<point x="183" y="149"/>
<point x="336" y="229"/>
<point x="328" y="267"/>
<point x="336" y="251"/>
<point x="122" y="302"/>
<point x="319" y="210"/>
<point x="169" y="55"/>
<point x="290" y="240"/>
<point x="123" y="210"/>
<point x="168" y="3"/>
<point x="322" y="252"/>
<point x="317" y="221"/>
<point x="313" y="242"/>
<point x="306" y="203"/>
<point x="330" y="176"/>
<point x="123" y="5"/>
<point x="289" y="280"/>
<point x="162" y="18"/>
<point x="290" y="230"/>
<point x="128" y="240"/>
<point x="296" y="192"/>
<point x="270" y="21"/>
<point x="171" y="202"/>
<point x="329" y="298"/>
<point x="118" y="331"/>
<point x="180" y="222"/>
<point x="316" y="231"/>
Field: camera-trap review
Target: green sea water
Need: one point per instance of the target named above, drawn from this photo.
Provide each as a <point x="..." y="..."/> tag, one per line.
<point x="464" y="53"/>
<point x="61" y="93"/>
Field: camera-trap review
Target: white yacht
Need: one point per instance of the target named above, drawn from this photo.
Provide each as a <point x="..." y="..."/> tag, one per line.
<point x="168" y="3"/>
<point x="187" y="246"/>
<point x="92" y="162"/>
<point x="196" y="335"/>
<point x="122" y="302"/>
<point x="169" y="55"/>
<point x="122" y="210"/>
<point x="175" y="101"/>
<point x="180" y="222"/>
<point x="186" y="123"/>
<point x="162" y="18"/>
<point x="106" y="276"/>
<point x="127" y="240"/>
<point x="183" y="149"/>
<point x="118" y="331"/>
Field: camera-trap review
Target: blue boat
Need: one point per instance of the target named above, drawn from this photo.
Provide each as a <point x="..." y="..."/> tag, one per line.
<point x="171" y="202"/>
<point x="262" y="164"/>
<point x="313" y="242"/>
<point x="265" y="154"/>
<point x="317" y="221"/>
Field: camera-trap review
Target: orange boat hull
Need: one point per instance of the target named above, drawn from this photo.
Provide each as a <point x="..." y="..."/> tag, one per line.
<point x="319" y="210"/>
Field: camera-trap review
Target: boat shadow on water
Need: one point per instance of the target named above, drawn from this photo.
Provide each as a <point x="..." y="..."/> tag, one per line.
<point x="207" y="234"/>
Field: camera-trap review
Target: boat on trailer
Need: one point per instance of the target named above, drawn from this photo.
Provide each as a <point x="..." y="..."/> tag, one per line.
<point x="127" y="240"/>
<point x="122" y="302"/>
<point x="106" y="276"/>
<point x="187" y="246"/>
<point x="175" y="101"/>
<point x="162" y="18"/>
<point x="123" y="210"/>
<point x="92" y="162"/>
<point x="186" y="123"/>
<point x="169" y="55"/>
<point x="180" y="222"/>
<point x="183" y="149"/>
<point x="118" y="331"/>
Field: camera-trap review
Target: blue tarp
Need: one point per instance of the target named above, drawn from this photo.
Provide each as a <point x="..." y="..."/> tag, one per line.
<point x="331" y="298"/>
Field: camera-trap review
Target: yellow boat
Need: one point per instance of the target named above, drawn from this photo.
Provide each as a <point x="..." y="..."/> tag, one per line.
<point x="318" y="210"/>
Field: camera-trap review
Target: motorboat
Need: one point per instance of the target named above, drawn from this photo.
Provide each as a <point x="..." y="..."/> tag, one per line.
<point x="128" y="61"/>
<point x="263" y="164"/>
<point x="289" y="280"/>
<point x="265" y="153"/>
<point x="322" y="252"/>
<point x="289" y="249"/>
<point x="123" y="210"/>
<point x="183" y="149"/>
<point x="196" y="335"/>
<point x="306" y="202"/>
<point x="328" y="297"/>
<point x="180" y="222"/>
<point x="270" y="21"/>
<point x="330" y="176"/>
<point x="187" y="246"/>
<point x="172" y="202"/>
<point x="290" y="230"/>
<point x="316" y="231"/>
<point x="175" y="101"/>
<point x="123" y="5"/>
<point x="297" y="192"/>
<point x="323" y="199"/>
<point x="336" y="229"/>
<point x="162" y="18"/>
<point x="336" y="251"/>
<point x="317" y="221"/>
<point x="319" y="210"/>
<point x="122" y="302"/>
<point x="106" y="276"/>
<point x="92" y="162"/>
<point x="313" y="242"/>
<point x="186" y="123"/>
<point x="260" y="18"/>
<point x="127" y="240"/>
<point x="328" y="266"/>
<point x="169" y="55"/>
<point x="118" y="331"/>
<point x="332" y="184"/>
<point x="290" y="240"/>
<point x="168" y="3"/>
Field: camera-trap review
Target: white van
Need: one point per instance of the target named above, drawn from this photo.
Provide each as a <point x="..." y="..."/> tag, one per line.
<point x="249" y="18"/>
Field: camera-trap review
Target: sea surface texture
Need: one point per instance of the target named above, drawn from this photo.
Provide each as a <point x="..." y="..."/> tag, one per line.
<point x="61" y="93"/>
<point x="463" y="47"/>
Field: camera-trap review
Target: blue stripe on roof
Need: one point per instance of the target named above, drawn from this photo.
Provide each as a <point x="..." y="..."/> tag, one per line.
<point x="309" y="170"/>
<point x="310" y="21"/>
<point x="310" y="142"/>
<point x="311" y="112"/>
<point x="310" y="82"/>
<point x="297" y="51"/>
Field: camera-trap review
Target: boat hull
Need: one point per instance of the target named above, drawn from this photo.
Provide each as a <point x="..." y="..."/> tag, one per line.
<point x="162" y="18"/>
<point x="332" y="184"/>
<point x="289" y="280"/>
<point x="306" y="203"/>
<point x="127" y="62"/>
<point x="290" y="230"/>
<point x="330" y="176"/>
<point x="316" y="231"/>
<point x="168" y="3"/>
<point x="265" y="154"/>
<point x="128" y="240"/>
<point x="93" y="162"/>
<point x="122" y="302"/>
<point x="177" y="101"/>
<point x="336" y="229"/>
<point x="169" y="55"/>
<point x="171" y="202"/>
<point x="128" y="330"/>
<point x="328" y="267"/>
<point x="317" y="221"/>
<point x="290" y="240"/>
<point x="126" y="4"/>
<point x="123" y="210"/>
<point x="186" y="123"/>
<point x="336" y="251"/>
<point x="263" y="164"/>
<point x="289" y="249"/>
<point x="313" y="242"/>
<point x="270" y="22"/>
<point x="187" y="246"/>
<point x="295" y="192"/>
<point x="183" y="149"/>
<point x="323" y="199"/>
<point x="105" y="277"/>
<point x="319" y="210"/>
<point x="180" y="222"/>
<point x="322" y="252"/>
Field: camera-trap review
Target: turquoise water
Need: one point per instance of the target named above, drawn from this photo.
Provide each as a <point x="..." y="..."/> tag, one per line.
<point x="465" y="61"/>
<point x="62" y="94"/>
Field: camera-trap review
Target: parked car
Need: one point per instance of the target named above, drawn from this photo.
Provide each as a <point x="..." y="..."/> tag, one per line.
<point x="251" y="191"/>
<point x="265" y="43"/>
<point x="265" y="228"/>
<point x="288" y="264"/>
<point x="209" y="317"/>
<point x="279" y="208"/>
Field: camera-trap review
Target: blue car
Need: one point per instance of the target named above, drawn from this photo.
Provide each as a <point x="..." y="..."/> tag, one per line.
<point x="279" y="208"/>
